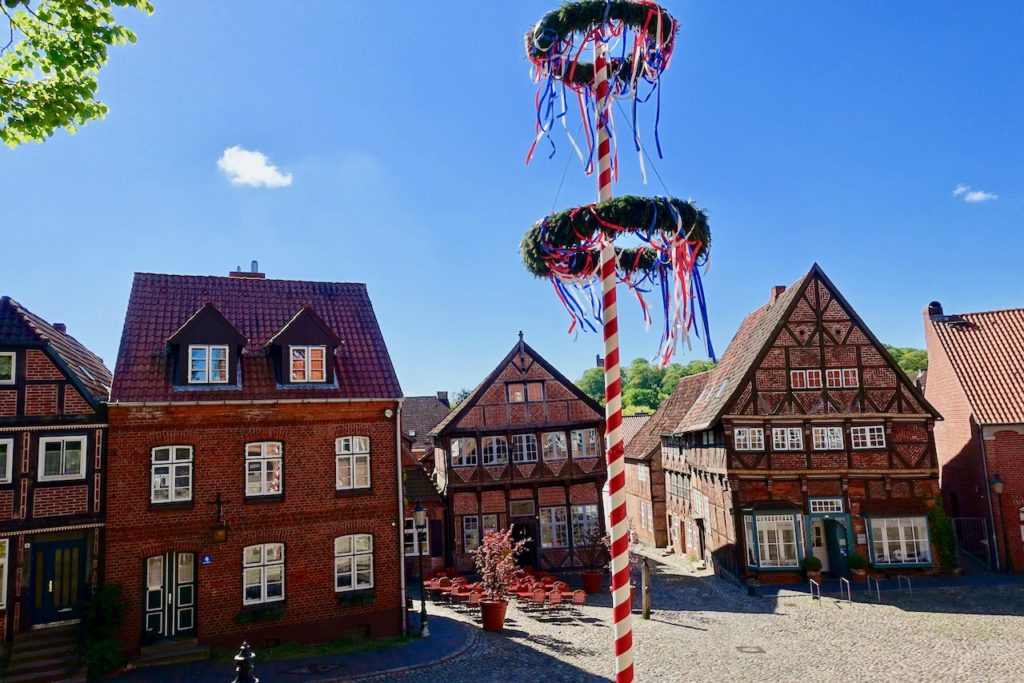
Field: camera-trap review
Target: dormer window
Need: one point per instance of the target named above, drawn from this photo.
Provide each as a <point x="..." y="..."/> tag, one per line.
<point x="207" y="364"/>
<point x="308" y="363"/>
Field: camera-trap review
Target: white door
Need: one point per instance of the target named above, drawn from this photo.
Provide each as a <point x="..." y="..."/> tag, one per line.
<point x="818" y="546"/>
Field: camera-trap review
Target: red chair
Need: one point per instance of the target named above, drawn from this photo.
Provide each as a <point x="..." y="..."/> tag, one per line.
<point x="554" y="600"/>
<point x="538" y="599"/>
<point x="579" y="599"/>
<point x="548" y="580"/>
<point x="473" y="600"/>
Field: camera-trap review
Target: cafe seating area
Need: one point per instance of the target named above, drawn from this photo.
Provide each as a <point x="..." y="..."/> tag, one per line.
<point x="535" y="593"/>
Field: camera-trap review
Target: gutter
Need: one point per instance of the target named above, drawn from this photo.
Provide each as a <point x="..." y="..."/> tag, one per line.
<point x="249" y="402"/>
<point x="401" y="518"/>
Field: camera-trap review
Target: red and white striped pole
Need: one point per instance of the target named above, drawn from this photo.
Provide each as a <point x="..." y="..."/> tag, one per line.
<point x="621" y="599"/>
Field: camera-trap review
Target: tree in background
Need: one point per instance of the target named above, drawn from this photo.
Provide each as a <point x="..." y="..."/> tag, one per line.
<point x="909" y="358"/>
<point x="644" y="386"/>
<point x="460" y="396"/>
<point x="49" y="64"/>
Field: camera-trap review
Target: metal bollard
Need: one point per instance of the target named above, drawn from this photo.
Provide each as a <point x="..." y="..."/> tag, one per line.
<point x="245" y="669"/>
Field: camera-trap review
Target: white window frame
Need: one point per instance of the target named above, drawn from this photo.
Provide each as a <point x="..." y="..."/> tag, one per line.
<point x="554" y="532"/>
<point x="5" y="546"/>
<point x="584" y="443"/>
<point x="6" y="472"/>
<point x="826" y="505"/>
<point x="641" y="472"/>
<point x="264" y="459"/>
<point x="14" y="366"/>
<point x="470" y="530"/>
<point x="881" y="528"/>
<point x="488" y="523"/>
<point x="524" y="448"/>
<point x="783" y="439"/>
<point x="261" y="566"/>
<point x="1021" y="511"/>
<point x="349" y="453"/>
<point x="172" y="463"/>
<point x="585" y="520"/>
<point x="531" y="513"/>
<point x="63" y="441"/>
<point x="494" y="450"/>
<point x="417" y="541"/>
<point x="827" y="438"/>
<point x="562" y="447"/>
<point x="765" y="533"/>
<point x="360" y="547"/>
<point x="856" y="378"/>
<point x="867" y="437"/>
<point x="305" y="374"/>
<point x="816" y="383"/>
<point x="748" y="438"/>
<point x="834" y="378"/>
<point x="207" y="362"/>
<point x="795" y="375"/>
<point x="461" y="457"/>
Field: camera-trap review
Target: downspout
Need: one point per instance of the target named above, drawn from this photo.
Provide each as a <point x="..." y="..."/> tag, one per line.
<point x="988" y="496"/>
<point x="401" y="517"/>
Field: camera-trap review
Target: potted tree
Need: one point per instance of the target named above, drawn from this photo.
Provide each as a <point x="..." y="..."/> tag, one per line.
<point x="858" y="568"/>
<point x="495" y="561"/>
<point x="812" y="567"/>
<point x="594" y="553"/>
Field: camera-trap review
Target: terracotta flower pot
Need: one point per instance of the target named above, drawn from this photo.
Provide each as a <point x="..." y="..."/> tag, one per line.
<point x="493" y="612"/>
<point x="859" y="575"/>
<point x="592" y="582"/>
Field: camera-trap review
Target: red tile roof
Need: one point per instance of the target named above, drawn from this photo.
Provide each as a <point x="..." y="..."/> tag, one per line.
<point x="669" y="413"/>
<point x="20" y="326"/>
<point x="987" y="354"/>
<point x="259" y="309"/>
<point x="631" y="424"/>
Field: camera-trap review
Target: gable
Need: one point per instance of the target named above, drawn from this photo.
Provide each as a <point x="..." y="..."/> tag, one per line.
<point x="305" y="328"/>
<point x="550" y="398"/>
<point x="206" y="326"/>
<point x="821" y="332"/>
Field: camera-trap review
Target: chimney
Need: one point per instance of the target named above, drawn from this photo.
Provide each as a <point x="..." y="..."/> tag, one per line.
<point x="777" y="291"/>
<point x="252" y="274"/>
<point x="935" y="311"/>
<point x="442" y="396"/>
<point x="598" y="361"/>
<point x="61" y="327"/>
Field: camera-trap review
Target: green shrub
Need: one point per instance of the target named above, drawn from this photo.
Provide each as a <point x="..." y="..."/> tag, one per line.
<point x="811" y="564"/>
<point x="102" y="617"/>
<point x="857" y="561"/>
<point x="943" y="535"/>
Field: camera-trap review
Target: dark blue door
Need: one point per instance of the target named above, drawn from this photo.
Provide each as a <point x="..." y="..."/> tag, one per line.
<point x="59" y="581"/>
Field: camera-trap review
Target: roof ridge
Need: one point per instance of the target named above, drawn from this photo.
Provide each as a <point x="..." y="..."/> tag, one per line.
<point x="251" y="279"/>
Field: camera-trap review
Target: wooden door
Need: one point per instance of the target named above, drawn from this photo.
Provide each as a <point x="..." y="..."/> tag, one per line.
<point x="169" y="596"/>
<point x="59" y="582"/>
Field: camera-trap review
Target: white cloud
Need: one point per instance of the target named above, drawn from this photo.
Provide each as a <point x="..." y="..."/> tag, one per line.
<point x="245" y="167"/>
<point x="973" y="196"/>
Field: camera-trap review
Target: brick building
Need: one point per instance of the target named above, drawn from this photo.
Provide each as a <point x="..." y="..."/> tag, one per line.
<point x="645" y="475"/>
<point x="525" y="448"/>
<point x="806" y="439"/>
<point x="255" y="488"/>
<point x="419" y="415"/>
<point x="975" y="379"/>
<point x="53" y="429"/>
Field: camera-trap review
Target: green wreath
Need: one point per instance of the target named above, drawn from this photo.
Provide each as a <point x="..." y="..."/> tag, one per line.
<point x="570" y="232"/>
<point x="579" y="17"/>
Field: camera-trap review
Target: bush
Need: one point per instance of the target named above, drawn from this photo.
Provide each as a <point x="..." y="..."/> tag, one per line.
<point x="102" y="617"/>
<point x="811" y="564"/>
<point x="857" y="561"/>
<point x="943" y="535"/>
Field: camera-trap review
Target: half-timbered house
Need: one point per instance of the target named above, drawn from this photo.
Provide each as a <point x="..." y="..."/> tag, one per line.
<point x="525" y="448"/>
<point x="807" y="439"/>
<point x="53" y="440"/>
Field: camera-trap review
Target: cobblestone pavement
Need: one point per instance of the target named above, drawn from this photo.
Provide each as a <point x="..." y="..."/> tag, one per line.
<point x="704" y="629"/>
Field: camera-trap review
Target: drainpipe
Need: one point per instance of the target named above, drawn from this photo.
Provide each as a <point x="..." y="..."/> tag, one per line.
<point x="401" y="516"/>
<point x="988" y="497"/>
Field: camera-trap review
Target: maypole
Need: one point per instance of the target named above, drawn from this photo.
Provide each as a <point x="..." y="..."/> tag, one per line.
<point x="575" y="249"/>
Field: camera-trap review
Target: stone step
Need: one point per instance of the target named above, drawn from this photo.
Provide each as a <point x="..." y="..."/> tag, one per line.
<point x="40" y="636"/>
<point x="58" y="674"/>
<point x="191" y="653"/>
<point x="170" y="644"/>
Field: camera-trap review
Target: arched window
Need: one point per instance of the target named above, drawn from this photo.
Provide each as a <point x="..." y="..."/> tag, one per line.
<point x="353" y="562"/>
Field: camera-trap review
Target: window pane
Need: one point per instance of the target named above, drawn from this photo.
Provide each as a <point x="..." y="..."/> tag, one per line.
<point x="535" y="391"/>
<point x="51" y="459"/>
<point x="343" y="545"/>
<point x="253" y="554"/>
<point x="344" y="471"/>
<point x="6" y="367"/>
<point x="274" y="552"/>
<point x="343" y="572"/>
<point x="364" y="543"/>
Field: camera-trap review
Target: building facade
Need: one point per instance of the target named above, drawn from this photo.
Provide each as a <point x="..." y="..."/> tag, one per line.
<point x="975" y="380"/>
<point x="53" y="440"/>
<point x="807" y="439"/>
<point x="525" y="448"/>
<point x="255" y="488"/>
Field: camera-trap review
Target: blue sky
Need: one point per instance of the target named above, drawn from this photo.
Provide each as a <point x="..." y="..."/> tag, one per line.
<point x="810" y="131"/>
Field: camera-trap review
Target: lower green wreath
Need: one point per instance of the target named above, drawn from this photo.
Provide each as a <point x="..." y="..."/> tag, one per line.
<point x="570" y="239"/>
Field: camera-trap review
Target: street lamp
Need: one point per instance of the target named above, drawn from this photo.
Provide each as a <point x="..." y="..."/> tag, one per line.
<point x="419" y="520"/>
<point x="997" y="488"/>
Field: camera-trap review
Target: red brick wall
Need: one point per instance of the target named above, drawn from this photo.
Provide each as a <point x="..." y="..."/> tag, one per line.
<point x="41" y="399"/>
<point x="60" y="500"/>
<point x="74" y="404"/>
<point x="307" y="519"/>
<point x="8" y="402"/>
<point x="39" y="366"/>
<point x="1005" y="453"/>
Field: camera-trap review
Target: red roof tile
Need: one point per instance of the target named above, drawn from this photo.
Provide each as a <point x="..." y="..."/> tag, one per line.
<point x="987" y="354"/>
<point x="668" y="415"/>
<point x="631" y="424"/>
<point x="259" y="309"/>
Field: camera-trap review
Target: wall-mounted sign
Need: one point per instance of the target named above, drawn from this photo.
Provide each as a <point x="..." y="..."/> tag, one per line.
<point x="207" y="559"/>
<point x="862" y="539"/>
